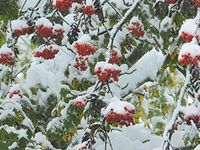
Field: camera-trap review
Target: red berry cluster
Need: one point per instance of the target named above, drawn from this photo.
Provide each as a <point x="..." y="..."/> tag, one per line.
<point x="170" y="1"/>
<point x="186" y="37"/>
<point x="62" y="5"/>
<point x="7" y="59"/>
<point x="126" y="119"/>
<point x="197" y="3"/>
<point x="85" y="49"/>
<point x="58" y="33"/>
<point x="136" y="29"/>
<point x="194" y="118"/>
<point x="80" y="103"/>
<point x="88" y="10"/>
<point x="81" y="63"/>
<point x="19" y="32"/>
<point x="16" y="92"/>
<point x="115" y="58"/>
<point x="44" y="31"/>
<point x="107" y="74"/>
<point x="187" y="59"/>
<point x="47" y="53"/>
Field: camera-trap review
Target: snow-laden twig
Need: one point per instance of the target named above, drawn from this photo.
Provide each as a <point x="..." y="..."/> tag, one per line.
<point x="118" y="26"/>
<point x="167" y="132"/>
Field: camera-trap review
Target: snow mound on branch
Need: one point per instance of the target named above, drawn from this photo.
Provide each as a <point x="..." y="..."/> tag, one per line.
<point x="104" y="65"/>
<point x="190" y="26"/>
<point x="118" y="106"/>
<point x="189" y="48"/>
<point x="41" y="139"/>
<point x="44" y="21"/>
<point x="191" y="110"/>
<point x="18" y="24"/>
<point x="145" y="69"/>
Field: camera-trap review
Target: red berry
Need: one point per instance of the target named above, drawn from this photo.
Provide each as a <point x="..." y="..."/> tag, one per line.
<point x="81" y="63"/>
<point x="115" y="58"/>
<point x="196" y="3"/>
<point x="88" y="10"/>
<point x="136" y="29"/>
<point x="47" y="53"/>
<point x="186" y="37"/>
<point x="170" y="1"/>
<point x="126" y="119"/>
<point x="187" y="59"/>
<point x="85" y="49"/>
<point x="62" y="5"/>
<point x="6" y="58"/>
<point x="16" y="92"/>
<point x="194" y="118"/>
<point x="44" y="31"/>
<point x="80" y="103"/>
<point x="106" y="72"/>
<point x="58" y="32"/>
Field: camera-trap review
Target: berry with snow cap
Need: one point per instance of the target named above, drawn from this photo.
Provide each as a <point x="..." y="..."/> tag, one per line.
<point x="120" y="112"/>
<point x="47" y="53"/>
<point x="189" y="54"/>
<point x="16" y="92"/>
<point x="107" y="72"/>
<point x="187" y="33"/>
<point x="80" y="102"/>
<point x="136" y="28"/>
<point x="58" y="32"/>
<point x="44" y="28"/>
<point x="191" y="113"/>
<point x="85" y="49"/>
<point x="19" y="27"/>
<point x="62" y="5"/>
<point x="6" y="56"/>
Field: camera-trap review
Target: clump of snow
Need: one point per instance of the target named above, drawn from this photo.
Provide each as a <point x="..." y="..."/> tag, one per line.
<point x="189" y="48"/>
<point x="13" y="146"/>
<point x="190" y="26"/>
<point x="41" y="139"/>
<point x="44" y="21"/>
<point x="117" y="106"/>
<point x="104" y="65"/>
<point x="191" y="110"/>
<point x="18" y="24"/>
<point x="166" y="23"/>
<point x="4" y="49"/>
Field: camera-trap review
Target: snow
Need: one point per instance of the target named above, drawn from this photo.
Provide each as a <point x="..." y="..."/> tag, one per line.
<point x="117" y="106"/>
<point x="13" y="146"/>
<point x="189" y="48"/>
<point x="190" y="26"/>
<point x="41" y="139"/>
<point x="44" y="22"/>
<point x="197" y="147"/>
<point x="21" y="133"/>
<point x="146" y="68"/>
<point x="166" y="24"/>
<point x="18" y="24"/>
<point x="48" y="77"/>
<point x="104" y="65"/>
<point x="4" y="49"/>
<point x="191" y="110"/>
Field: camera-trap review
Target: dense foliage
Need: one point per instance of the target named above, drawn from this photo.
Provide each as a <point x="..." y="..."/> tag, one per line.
<point x="93" y="74"/>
